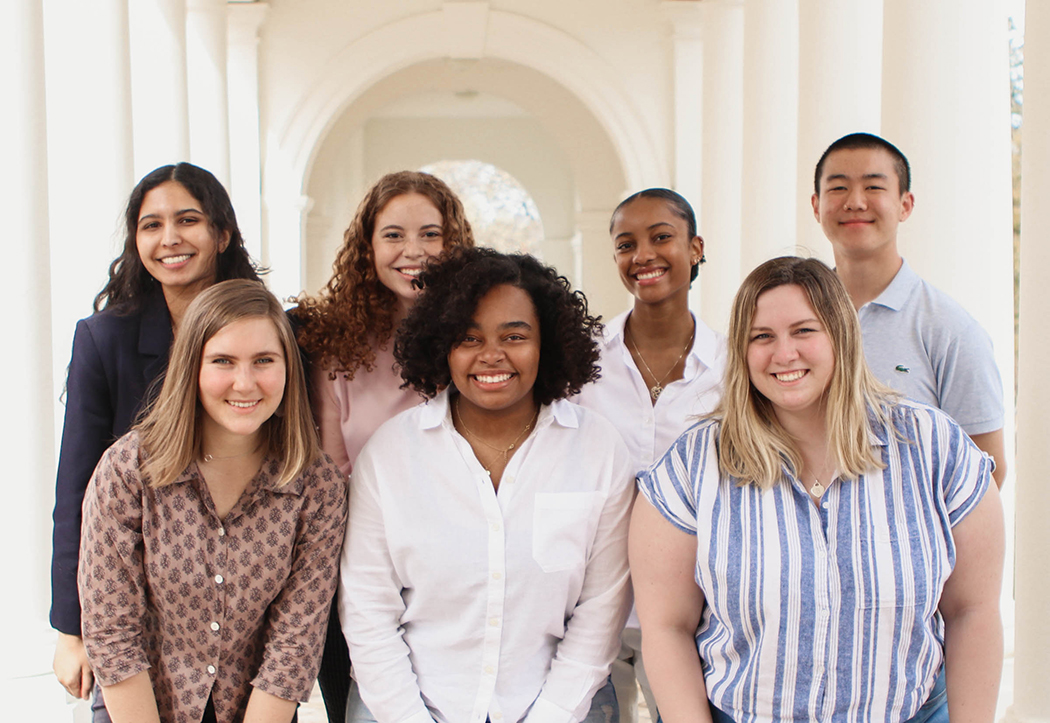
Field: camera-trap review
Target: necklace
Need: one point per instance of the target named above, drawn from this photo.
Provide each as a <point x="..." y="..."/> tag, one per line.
<point x="817" y="489"/>
<point x="211" y="457"/>
<point x="503" y="451"/>
<point x="657" y="389"/>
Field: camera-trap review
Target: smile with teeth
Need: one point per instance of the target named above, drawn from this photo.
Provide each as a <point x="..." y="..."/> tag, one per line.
<point x="646" y="275"/>
<point x="242" y="405"/>
<point x="173" y="260"/>
<point x="412" y="271"/>
<point x="493" y="378"/>
<point x="790" y="376"/>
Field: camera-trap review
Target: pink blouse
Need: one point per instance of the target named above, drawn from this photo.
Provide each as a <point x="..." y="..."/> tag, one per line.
<point x="348" y="411"/>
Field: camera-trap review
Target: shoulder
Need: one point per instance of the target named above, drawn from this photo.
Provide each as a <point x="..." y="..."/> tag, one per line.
<point x="940" y="313"/>
<point x="909" y="418"/>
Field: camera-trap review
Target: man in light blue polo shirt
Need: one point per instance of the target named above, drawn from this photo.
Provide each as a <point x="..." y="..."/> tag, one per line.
<point x="917" y="339"/>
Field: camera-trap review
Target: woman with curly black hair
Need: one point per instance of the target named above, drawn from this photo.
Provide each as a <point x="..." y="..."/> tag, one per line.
<point x="483" y="572"/>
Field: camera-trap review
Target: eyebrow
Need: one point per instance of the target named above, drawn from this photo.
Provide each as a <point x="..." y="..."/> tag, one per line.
<point x="648" y="228"/>
<point x="177" y="213"/>
<point x="402" y="228"/>
<point x="516" y="325"/>
<point x="234" y="356"/>
<point x="844" y="177"/>
<point x="812" y="320"/>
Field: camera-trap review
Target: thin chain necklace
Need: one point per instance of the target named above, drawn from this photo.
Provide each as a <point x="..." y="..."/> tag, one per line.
<point x="817" y="489"/>
<point x="211" y="457"/>
<point x="503" y="451"/>
<point x="657" y="389"/>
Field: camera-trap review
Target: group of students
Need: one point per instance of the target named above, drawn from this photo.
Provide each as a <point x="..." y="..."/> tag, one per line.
<point x="808" y="544"/>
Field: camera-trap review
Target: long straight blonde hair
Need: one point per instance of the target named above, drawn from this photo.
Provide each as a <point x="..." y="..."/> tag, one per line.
<point x="753" y="446"/>
<point x="171" y="430"/>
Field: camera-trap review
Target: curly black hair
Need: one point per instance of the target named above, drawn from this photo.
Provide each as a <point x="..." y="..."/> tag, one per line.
<point x="452" y="286"/>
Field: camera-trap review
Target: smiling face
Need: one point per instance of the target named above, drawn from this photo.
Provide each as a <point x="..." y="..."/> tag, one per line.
<point x="790" y="359"/>
<point x="176" y="241"/>
<point x="408" y="230"/>
<point x="653" y="250"/>
<point x="860" y="204"/>
<point x="494" y="367"/>
<point x="242" y="378"/>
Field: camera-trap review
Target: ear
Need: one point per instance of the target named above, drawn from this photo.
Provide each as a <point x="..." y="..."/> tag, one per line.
<point x="224" y="242"/>
<point x="696" y="250"/>
<point x="907" y="205"/>
<point x="815" y="202"/>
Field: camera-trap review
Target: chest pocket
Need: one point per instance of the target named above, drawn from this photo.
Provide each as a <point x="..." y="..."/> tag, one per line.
<point x="898" y="574"/>
<point x="562" y="527"/>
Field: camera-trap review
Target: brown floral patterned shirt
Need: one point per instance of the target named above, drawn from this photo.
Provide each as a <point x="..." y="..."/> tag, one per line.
<point x="209" y="606"/>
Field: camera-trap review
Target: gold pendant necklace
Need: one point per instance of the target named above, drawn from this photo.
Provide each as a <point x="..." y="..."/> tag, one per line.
<point x="503" y="451"/>
<point x="657" y="389"/>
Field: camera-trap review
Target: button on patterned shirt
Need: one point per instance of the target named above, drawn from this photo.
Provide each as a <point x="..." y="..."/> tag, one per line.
<point x="211" y="607"/>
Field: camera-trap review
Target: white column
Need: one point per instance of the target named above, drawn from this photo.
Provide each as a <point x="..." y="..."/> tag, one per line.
<point x="770" y="131"/>
<point x="28" y="440"/>
<point x="840" y="83"/>
<point x="599" y="278"/>
<point x="206" y="85"/>
<point x="89" y="155"/>
<point x="161" y="102"/>
<point x="723" y="145"/>
<point x="1031" y="701"/>
<point x="242" y="63"/>
<point x="688" y="41"/>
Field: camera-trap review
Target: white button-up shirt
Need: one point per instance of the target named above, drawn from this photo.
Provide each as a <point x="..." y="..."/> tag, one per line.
<point x="622" y="397"/>
<point x="461" y="603"/>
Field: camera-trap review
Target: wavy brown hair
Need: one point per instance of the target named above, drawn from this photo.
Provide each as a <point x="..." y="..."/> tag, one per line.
<point x="171" y="429"/>
<point x="354" y="314"/>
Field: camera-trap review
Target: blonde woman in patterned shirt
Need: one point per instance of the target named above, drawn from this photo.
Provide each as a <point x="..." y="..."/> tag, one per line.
<point x="212" y="530"/>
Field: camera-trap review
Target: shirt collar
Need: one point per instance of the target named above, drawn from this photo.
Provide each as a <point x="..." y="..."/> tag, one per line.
<point x="702" y="356"/>
<point x="896" y="294"/>
<point x="436" y="412"/>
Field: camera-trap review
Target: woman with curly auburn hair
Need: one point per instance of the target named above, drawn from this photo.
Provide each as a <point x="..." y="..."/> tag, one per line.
<point x="661" y="365"/>
<point x="347" y="333"/>
<point x="484" y="571"/>
<point x="818" y="548"/>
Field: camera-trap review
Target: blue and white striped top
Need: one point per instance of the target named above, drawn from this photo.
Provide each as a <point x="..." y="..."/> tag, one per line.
<point x="829" y="612"/>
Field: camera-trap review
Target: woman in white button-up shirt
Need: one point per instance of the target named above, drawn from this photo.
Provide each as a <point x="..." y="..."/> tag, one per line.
<point x="484" y="573"/>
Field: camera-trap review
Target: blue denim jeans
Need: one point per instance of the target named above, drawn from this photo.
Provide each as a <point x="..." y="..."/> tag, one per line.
<point x="603" y="707"/>
<point x="934" y="710"/>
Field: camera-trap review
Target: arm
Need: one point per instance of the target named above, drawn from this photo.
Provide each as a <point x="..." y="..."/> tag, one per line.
<point x="112" y="582"/>
<point x="992" y="444"/>
<point x="973" y="631"/>
<point x="370" y="608"/>
<point x="132" y="700"/>
<point x="328" y="418"/>
<point x="297" y="619"/>
<point x="592" y="633"/>
<point x="669" y="602"/>
<point x="266" y="708"/>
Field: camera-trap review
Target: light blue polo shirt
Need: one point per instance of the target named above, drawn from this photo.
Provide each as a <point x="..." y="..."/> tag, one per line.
<point x="921" y="342"/>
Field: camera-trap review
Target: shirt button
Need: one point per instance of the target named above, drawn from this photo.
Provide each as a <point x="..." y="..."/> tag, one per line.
<point x="497" y="575"/>
<point x="493" y="622"/>
<point x="218" y="579"/>
<point x="489" y="670"/>
<point x="215" y="626"/>
<point x="495" y="527"/>
<point x="497" y="716"/>
<point x="211" y="670"/>
<point x="509" y="479"/>
<point x="222" y="532"/>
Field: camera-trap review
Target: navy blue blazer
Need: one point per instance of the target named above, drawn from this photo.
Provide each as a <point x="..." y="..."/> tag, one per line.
<point x="116" y="360"/>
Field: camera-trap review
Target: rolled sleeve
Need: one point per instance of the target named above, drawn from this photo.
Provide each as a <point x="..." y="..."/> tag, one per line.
<point x="111" y="575"/>
<point x="297" y="619"/>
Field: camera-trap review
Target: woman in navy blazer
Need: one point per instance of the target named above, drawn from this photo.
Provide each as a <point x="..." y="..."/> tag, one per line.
<point x="182" y="237"/>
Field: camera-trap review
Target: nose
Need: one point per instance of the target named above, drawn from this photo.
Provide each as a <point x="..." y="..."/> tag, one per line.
<point x="413" y="248"/>
<point x="492" y="352"/>
<point x="644" y="252"/>
<point x="856" y="200"/>
<point x="171" y="235"/>
<point x="244" y="378"/>
<point x="784" y="351"/>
